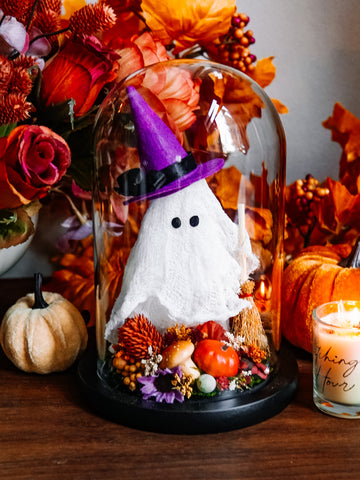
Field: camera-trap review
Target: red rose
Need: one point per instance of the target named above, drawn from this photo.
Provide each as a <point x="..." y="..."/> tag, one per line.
<point x="32" y="159"/>
<point x="79" y="72"/>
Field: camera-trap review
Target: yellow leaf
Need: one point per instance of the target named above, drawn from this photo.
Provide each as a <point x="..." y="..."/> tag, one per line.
<point x="280" y="107"/>
<point x="264" y="72"/>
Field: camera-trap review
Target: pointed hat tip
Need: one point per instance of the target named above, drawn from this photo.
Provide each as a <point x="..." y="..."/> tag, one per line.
<point x="130" y="90"/>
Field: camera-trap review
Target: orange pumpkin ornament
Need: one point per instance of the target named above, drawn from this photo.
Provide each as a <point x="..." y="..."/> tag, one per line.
<point x="318" y="274"/>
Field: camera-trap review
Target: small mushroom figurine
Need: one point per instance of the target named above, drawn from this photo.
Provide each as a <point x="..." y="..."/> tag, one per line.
<point x="178" y="354"/>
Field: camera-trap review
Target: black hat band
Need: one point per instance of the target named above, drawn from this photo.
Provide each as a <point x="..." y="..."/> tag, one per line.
<point x="136" y="182"/>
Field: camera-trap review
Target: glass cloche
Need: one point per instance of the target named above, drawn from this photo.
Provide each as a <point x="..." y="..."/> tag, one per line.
<point x="188" y="201"/>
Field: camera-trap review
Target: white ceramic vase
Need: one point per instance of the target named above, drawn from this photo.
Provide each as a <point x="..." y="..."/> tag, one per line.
<point x="10" y="256"/>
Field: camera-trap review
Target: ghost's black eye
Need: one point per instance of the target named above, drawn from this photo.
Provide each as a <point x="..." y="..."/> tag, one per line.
<point x="176" y="222"/>
<point x="194" y="221"/>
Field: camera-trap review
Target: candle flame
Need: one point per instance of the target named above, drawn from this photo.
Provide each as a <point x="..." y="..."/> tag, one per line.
<point x="262" y="288"/>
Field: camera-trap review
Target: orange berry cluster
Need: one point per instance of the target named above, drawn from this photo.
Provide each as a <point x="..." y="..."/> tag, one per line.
<point x="306" y="192"/>
<point x="128" y="368"/>
<point x="234" y="46"/>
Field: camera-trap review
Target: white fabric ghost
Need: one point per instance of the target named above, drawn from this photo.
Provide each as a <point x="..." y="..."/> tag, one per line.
<point x="183" y="274"/>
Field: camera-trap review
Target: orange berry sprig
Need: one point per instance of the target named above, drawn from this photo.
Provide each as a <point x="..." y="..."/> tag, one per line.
<point x="307" y="192"/>
<point x="233" y="47"/>
<point x="301" y="197"/>
<point x="128" y="368"/>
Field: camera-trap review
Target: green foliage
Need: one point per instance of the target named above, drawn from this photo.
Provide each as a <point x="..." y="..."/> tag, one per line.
<point x="5" y="130"/>
<point x="15" y="227"/>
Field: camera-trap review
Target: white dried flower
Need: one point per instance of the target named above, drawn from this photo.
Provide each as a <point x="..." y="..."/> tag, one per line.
<point x="151" y="364"/>
<point x="234" y="341"/>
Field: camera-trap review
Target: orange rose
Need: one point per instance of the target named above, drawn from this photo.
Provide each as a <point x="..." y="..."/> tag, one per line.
<point x="142" y="51"/>
<point x="174" y="87"/>
<point x="79" y="72"/>
<point x="32" y="159"/>
<point x="178" y="93"/>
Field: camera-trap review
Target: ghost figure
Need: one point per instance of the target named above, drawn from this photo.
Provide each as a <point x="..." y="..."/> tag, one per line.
<point x="184" y="267"/>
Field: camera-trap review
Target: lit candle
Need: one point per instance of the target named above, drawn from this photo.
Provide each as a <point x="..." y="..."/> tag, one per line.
<point x="262" y="294"/>
<point x="336" y="354"/>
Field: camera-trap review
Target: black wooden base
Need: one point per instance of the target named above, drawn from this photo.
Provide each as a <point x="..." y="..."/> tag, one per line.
<point x="193" y="416"/>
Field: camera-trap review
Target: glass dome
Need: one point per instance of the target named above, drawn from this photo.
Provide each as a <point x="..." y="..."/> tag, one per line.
<point x="188" y="201"/>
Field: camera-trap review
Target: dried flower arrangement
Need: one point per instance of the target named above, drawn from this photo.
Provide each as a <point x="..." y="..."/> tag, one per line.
<point x="184" y="362"/>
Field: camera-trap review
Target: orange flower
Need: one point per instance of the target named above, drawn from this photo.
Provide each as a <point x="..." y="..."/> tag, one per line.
<point x="141" y="51"/>
<point x="178" y="93"/>
<point x="79" y="72"/>
<point x="170" y="90"/>
<point x="188" y="23"/>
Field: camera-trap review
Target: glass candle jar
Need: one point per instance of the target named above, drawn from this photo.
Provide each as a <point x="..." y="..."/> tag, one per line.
<point x="188" y="206"/>
<point x="336" y="358"/>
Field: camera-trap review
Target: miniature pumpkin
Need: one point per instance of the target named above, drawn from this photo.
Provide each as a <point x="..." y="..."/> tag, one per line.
<point x="43" y="333"/>
<point x="216" y="358"/>
<point x="317" y="275"/>
<point x="213" y="330"/>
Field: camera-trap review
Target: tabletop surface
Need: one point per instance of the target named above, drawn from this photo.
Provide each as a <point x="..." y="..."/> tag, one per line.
<point x="48" y="432"/>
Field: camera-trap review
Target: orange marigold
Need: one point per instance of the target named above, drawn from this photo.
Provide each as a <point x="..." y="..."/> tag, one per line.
<point x="256" y="354"/>
<point x="137" y="335"/>
<point x="92" y="19"/>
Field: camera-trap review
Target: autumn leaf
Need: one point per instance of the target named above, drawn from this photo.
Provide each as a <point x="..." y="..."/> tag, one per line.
<point x="345" y="130"/>
<point x="226" y="184"/>
<point x="339" y="209"/>
<point x="264" y="72"/>
<point x="259" y="223"/>
<point x="280" y="107"/>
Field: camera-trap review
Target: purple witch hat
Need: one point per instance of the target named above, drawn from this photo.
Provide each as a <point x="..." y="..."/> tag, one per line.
<point x="165" y="166"/>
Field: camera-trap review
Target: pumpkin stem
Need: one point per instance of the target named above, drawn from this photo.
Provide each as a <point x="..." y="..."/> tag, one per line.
<point x="353" y="259"/>
<point x="39" y="299"/>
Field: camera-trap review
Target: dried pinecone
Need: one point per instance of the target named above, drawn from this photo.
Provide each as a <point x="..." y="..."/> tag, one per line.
<point x="137" y="335"/>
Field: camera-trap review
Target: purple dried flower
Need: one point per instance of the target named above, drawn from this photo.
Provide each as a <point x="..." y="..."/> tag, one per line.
<point x="161" y="387"/>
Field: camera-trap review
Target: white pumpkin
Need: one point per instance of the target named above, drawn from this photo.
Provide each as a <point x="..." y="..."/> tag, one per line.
<point x="43" y="332"/>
